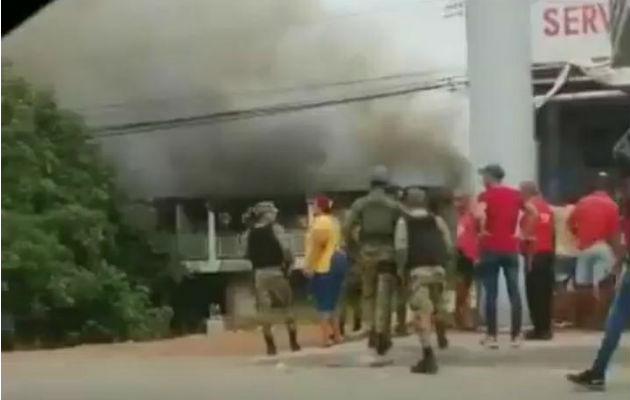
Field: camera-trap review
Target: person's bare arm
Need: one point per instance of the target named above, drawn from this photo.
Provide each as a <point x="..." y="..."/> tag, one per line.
<point x="480" y="213"/>
<point x="245" y="244"/>
<point x="530" y="209"/>
<point x="400" y="245"/>
<point x="531" y="216"/>
<point x="282" y="238"/>
<point x="445" y="231"/>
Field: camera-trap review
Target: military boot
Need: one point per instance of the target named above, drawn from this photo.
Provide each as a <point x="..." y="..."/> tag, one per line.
<point x="293" y="343"/>
<point x="440" y="330"/>
<point x="271" y="345"/>
<point x="428" y="364"/>
<point x="383" y="344"/>
<point x="342" y="325"/>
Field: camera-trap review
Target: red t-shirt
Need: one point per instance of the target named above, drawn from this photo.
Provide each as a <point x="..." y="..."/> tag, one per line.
<point x="503" y="205"/>
<point x="467" y="235"/>
<point x="538" y="232"/>
<point x="627" y="232"/>
<point x="626" y="224"/>
<point x="595" y="218"/>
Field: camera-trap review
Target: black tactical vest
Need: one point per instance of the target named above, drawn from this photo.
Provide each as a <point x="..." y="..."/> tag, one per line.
<point x="263" y="247"/>
<point x="425" y="242"/>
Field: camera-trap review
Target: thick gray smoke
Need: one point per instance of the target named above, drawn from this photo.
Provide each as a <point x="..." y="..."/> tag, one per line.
<point x="123" y="61"/>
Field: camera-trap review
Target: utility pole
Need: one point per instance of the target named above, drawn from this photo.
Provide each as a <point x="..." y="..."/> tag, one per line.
<point x="501" y="101"/>
<point x="499" y="68"/>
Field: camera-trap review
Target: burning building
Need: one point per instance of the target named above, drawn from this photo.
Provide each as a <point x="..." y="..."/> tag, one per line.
<point x="205" y="107"/>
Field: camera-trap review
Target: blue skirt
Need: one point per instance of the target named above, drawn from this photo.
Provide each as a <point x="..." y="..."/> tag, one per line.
<point x="326" y="287"/>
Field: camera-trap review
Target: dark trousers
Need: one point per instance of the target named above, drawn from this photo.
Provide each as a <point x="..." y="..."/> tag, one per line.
<point x="539" y="281"/>
<point x="491" y="264"/>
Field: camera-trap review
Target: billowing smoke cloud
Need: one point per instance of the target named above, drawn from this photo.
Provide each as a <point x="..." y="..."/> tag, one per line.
<point x="123" y="61"/>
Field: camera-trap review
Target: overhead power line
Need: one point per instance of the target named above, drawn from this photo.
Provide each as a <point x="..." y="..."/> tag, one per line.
<point x="263" y="111"/>
<point x="266" y="91"/>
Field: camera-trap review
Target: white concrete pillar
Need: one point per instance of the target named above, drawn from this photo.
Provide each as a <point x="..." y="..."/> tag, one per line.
<point x="501" y="108"/>
<point x="212" y="237"/>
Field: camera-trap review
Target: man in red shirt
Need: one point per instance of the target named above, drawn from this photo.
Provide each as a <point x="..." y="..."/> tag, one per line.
<point x="467" y="257"/>
<point x="537" y="246"/>
<point x="595" y="223"/>
<point x="498" y="212"/>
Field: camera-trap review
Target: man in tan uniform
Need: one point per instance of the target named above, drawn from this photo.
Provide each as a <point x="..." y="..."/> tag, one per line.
<point x="423" y="245"/>
<point x="270" y="255"/>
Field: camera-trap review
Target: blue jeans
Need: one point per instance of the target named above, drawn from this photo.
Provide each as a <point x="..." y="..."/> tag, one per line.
<point x="615" y="324"/>
<point x="594" y="264"/>
<point x="491" y="263"/>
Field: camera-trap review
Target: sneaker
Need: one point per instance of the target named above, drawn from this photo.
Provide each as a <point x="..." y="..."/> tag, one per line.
<point x="270" y="345"/>
<point x="516" y="342"/>
<point x="588" y="380"/>
<point x="490" y="342"/>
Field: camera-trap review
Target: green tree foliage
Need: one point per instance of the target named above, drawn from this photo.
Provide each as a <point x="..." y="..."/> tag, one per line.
<point x="74" y="268"/>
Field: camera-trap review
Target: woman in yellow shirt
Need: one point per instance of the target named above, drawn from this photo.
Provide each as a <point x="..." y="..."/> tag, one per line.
<point x="326" y="264"/>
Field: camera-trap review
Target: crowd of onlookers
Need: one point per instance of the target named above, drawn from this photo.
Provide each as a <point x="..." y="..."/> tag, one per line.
<point x="396" y="243"/>
<point x="570" y="251"/>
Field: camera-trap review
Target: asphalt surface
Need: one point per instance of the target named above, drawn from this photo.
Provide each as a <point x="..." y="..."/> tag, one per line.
<point x="535" y="371"/>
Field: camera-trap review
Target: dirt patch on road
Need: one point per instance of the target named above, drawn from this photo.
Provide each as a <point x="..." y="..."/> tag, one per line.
<point x="220" y="344"/>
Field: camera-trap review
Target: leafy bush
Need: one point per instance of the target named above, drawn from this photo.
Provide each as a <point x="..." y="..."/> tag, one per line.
<point x="74" y="269"/>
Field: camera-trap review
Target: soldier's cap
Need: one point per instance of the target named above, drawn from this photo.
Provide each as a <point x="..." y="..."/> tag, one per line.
<point x="380" y="175"/>
<point x="493" y="170"/>
<point x="264" y="207"/>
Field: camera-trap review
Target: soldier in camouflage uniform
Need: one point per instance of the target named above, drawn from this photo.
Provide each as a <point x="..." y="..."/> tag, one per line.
<point x="375" y="215"/>
<point x="270" y="255"/>
<point x="423" y="244"/>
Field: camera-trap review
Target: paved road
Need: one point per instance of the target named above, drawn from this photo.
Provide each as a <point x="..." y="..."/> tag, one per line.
<point x="468" y="372"/>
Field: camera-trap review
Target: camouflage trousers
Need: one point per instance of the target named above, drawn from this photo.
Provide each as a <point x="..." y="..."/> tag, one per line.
<point x="377" y="266"/>
<point x="426" y="286"/>
<point x="274" y="298"/>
